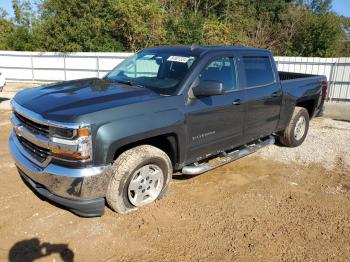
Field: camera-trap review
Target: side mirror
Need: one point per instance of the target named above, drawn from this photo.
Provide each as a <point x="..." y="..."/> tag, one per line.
<point x="208" y="88"/>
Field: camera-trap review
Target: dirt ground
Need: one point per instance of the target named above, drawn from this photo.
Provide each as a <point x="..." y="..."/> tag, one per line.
<point x="278" y="204"/>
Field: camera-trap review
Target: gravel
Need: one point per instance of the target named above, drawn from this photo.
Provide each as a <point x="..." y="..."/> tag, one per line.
<point x="327" y="143"/>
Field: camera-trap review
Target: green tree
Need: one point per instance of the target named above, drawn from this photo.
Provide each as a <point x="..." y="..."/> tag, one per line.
<point x="23" y="11"/>
<point x="184" y="30"/>
<point x="22" y="36"/>
<point x="319" y="6"/>
<point x="288" y="27"/>
<point x="317" y="35"/>
<point x="22" y="39"/>
<point x="216" y="32"/>
<point x="345" y="40"/>
<point x="274" y="25"/>
<point x="138" y="23"/>
<point x="6" y="28"/>
<point x="72" y="26"/>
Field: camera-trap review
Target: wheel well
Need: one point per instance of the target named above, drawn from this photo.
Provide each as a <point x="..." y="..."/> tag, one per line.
<point x="168" y="143"/>
<point x="309" y="105"/>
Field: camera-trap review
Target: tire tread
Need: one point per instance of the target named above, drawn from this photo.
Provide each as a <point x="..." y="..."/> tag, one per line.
<point x="122" y="168"/>
<point x="287" y="136"/>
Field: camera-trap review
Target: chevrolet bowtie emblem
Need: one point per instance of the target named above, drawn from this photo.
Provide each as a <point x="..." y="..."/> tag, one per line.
<point x="17" y="130"/>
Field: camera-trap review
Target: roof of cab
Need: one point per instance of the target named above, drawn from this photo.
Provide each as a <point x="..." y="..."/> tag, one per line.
<point x="199" y="50"/>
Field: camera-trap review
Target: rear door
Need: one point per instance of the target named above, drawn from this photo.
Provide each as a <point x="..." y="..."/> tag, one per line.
<point x="216" y="123"/>
<point x="263" y="94"/>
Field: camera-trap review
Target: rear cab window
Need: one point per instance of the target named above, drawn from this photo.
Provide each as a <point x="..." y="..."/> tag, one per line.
<point x="258" y="70"/>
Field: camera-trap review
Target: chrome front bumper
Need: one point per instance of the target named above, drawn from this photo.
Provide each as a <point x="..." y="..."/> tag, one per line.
<point x="67" y="182"/>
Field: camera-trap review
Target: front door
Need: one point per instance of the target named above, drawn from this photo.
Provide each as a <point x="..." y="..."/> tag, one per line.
<point x="215" y="123"/>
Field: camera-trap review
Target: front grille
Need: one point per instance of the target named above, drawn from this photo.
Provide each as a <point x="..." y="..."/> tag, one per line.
<point x="35" y="151"/>
<point x="33" y="126"/>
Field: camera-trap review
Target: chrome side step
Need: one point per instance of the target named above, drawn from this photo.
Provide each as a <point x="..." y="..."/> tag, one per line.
<point x="224" y="158"/>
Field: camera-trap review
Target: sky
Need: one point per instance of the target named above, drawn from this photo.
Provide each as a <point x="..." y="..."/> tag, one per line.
<point x="342" y="7"/>
<point x="6" y="4"/>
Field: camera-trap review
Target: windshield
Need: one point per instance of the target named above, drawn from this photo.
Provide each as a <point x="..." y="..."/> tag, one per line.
<point x="157" y="70"/>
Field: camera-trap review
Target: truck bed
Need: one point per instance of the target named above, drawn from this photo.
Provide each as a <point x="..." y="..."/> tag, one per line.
<point x="306" y="87"/>
<point x="284" y="76"/>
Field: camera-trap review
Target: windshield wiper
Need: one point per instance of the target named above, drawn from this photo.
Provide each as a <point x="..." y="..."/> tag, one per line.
<point x="126" y="82"/>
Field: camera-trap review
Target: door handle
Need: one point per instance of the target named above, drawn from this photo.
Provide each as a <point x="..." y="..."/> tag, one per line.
<point x="237" y="102"/>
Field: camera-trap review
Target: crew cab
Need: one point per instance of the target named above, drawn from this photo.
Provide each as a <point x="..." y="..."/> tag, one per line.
<point x="119" y="139"/>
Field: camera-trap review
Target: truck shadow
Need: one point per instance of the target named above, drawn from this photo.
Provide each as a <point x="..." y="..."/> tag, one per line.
<point x="342" y="120"/>
<point x="3" y="99"/>
<point x="183" y="176"/>
<point x="31" y="250"/>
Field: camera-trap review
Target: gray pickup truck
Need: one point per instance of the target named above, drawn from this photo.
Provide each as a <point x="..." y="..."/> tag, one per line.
<point x="120" y="138"/>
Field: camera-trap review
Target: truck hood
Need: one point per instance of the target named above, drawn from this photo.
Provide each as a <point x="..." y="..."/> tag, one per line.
<point x="69" y="100"/>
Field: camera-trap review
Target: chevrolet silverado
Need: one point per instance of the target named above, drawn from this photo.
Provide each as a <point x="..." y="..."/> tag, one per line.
<point x="119" y="139"/>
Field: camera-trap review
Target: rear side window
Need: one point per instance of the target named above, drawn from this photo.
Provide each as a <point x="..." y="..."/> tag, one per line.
<point x="258" y="70"/>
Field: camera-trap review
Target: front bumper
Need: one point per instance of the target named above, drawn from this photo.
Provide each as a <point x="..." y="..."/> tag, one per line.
<point x="82" y="190"/>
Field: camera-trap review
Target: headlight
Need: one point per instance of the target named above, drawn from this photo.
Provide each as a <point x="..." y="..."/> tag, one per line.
<point x="71" y="144"/>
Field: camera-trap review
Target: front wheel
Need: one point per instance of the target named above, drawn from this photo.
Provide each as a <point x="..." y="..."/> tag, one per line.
<point x="296" y="131"/>
<point x="140" y="176"/>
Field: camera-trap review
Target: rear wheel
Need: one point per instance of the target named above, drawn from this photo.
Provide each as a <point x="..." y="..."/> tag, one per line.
<point x="140" y="176"/>
<point x="296" y="131"/>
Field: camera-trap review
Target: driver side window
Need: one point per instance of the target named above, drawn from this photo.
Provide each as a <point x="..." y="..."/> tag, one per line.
<point x="221" y="70"/>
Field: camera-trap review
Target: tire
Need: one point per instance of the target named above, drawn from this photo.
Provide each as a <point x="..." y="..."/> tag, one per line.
<point x="291" y="137"/>
<point x="129" y="169"/>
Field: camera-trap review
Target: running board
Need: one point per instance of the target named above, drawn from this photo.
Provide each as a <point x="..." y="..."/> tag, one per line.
<point x="224" y="158"/>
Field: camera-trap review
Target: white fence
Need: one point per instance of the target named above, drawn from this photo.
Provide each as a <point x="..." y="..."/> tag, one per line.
<point x="52" y="67"/>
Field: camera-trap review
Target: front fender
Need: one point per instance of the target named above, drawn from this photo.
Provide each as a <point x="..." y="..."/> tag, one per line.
<point x="113" y="135"/>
